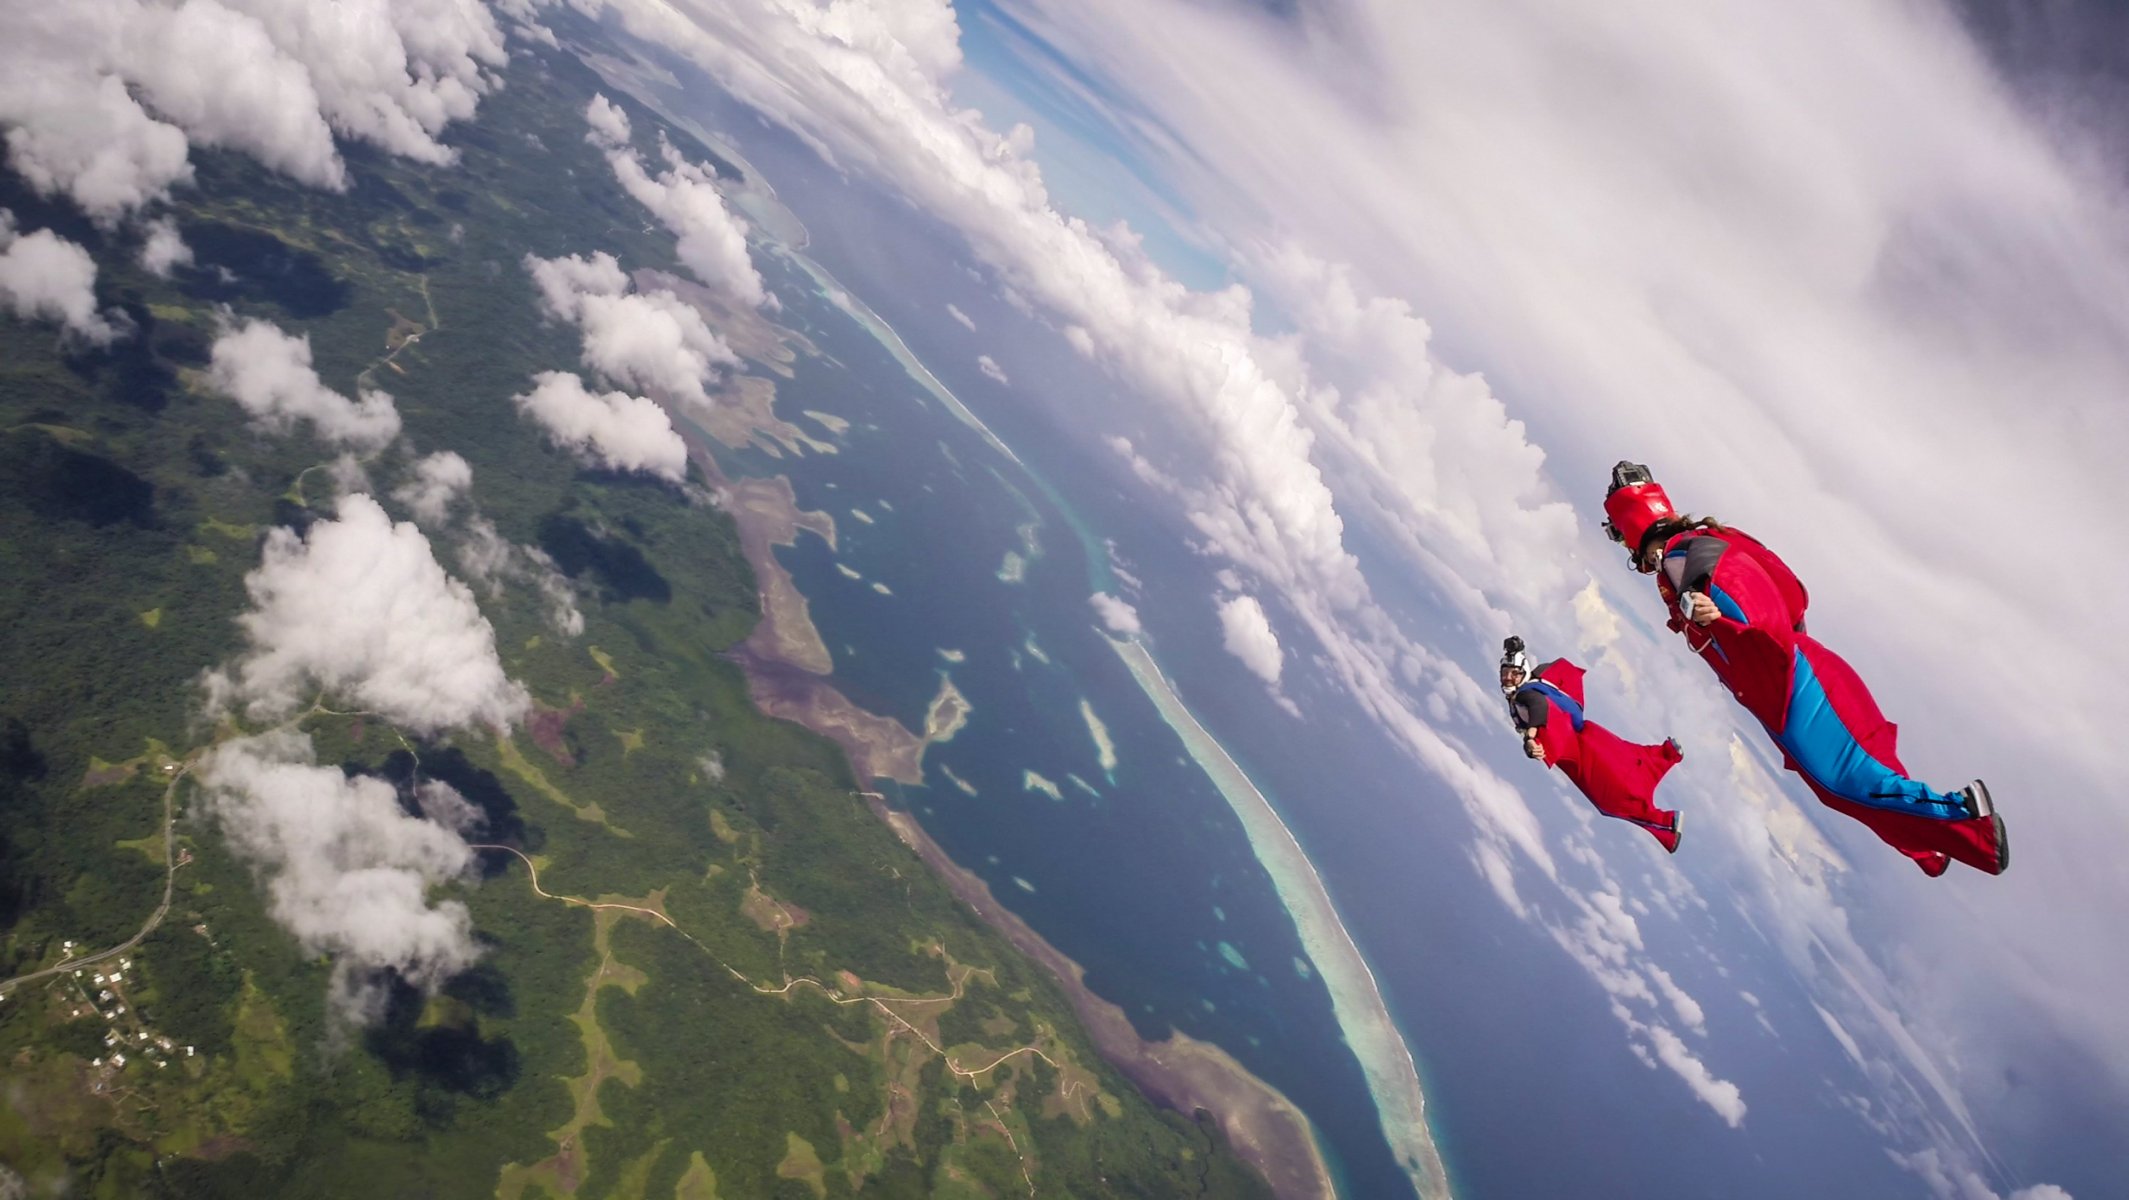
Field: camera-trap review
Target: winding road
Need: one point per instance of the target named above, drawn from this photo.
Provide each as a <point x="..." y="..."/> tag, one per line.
<point x="162" y="910"/>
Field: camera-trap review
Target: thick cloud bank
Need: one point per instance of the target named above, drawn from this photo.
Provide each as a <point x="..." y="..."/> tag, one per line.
<point x="346" y="869"/>
<point x="359" y="609"/>
<point x="649" y="342"/>
<point x="45" y="277"/>
<point x="269" y="373"/>
<point x="684" y="198"/>
<point x="605" y="429"/>
<point x="102" y="100"/>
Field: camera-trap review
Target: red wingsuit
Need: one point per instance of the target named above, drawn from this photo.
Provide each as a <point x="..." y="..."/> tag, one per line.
<point x="1811" y="701"/>
<point x="1618" y="776"/>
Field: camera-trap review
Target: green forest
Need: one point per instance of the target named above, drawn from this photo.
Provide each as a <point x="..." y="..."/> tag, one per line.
<point x="773" y="997"/>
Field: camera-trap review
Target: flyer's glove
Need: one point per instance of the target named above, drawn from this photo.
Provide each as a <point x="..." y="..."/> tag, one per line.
<point x="1699" y="608"/>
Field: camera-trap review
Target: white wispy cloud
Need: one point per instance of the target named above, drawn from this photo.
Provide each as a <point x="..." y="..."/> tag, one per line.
<point x="493" y="561"/>
<point x="605" y="429"/>
<point x="1718" y="1094"/>
<point x="991" y="370"/>
<point x="440" y="479"/>
<point x="268" y="372"/>
<point x="358" y="609"/>
<point x="684" y="198"/>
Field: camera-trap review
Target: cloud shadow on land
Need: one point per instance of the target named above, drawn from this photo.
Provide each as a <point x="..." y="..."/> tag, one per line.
<point x="267" y="270"/>
<point x="501" y="823"/>
<point x="447" y="1057"/>
<point x="623" y="573"/>
<point x="60" y="483"/>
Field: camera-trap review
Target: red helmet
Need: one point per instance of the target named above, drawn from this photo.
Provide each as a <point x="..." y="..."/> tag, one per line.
<point x="1633" y="505"/>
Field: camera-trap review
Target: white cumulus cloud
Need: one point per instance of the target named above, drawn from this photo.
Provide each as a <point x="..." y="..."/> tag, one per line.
<point x="991" y="370"/>
<point x="346" y="869"/>
<point x="164" y="249"/>
<point x="359" y="609"/>
<point x="609" y="125"/>
<point x="45" y="277"/>
<point x="605" y="429"/>
<point x="1247" y="634"/>
<point x="648" y="342"/>
<point x="268" y="372"/>
<point x="1116" y="614"/>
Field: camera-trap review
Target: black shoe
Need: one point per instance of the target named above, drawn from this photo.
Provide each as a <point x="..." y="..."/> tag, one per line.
<point x="2003" y="844"/>
<point x="1978" y="802"/>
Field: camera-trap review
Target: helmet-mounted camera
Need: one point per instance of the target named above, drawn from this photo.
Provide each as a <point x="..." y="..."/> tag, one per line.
<point x="1514" y="658"/>
<point x="1634" y="504"/>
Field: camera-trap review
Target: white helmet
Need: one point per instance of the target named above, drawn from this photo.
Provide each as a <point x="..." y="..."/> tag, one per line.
<point x="1514" y="658"/>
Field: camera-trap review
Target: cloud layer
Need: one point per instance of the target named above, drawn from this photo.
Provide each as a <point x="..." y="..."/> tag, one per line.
<point x="102" y="100"/>
<point x="1773" y="273"/>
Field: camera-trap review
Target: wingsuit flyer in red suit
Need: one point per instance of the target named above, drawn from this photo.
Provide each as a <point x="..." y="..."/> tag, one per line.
<point x="1741" y="609"/>
<point x="1619" y="777"/>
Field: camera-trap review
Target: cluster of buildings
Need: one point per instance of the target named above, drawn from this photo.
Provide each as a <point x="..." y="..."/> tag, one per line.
<point x="102" y="993"/>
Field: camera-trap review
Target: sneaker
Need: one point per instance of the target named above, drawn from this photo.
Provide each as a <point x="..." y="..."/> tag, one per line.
<point x="1977" y="799"/>
<point x="2003" y="842"/>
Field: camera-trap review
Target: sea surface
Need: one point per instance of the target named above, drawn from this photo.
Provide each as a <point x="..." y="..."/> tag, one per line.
<point x="1066" y="791"/>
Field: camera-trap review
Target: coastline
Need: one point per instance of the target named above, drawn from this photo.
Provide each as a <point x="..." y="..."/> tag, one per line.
<point x="1260" y="1123"/>
<point x="1392" y="1074"/>
<point x="1264" y="1128"/>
